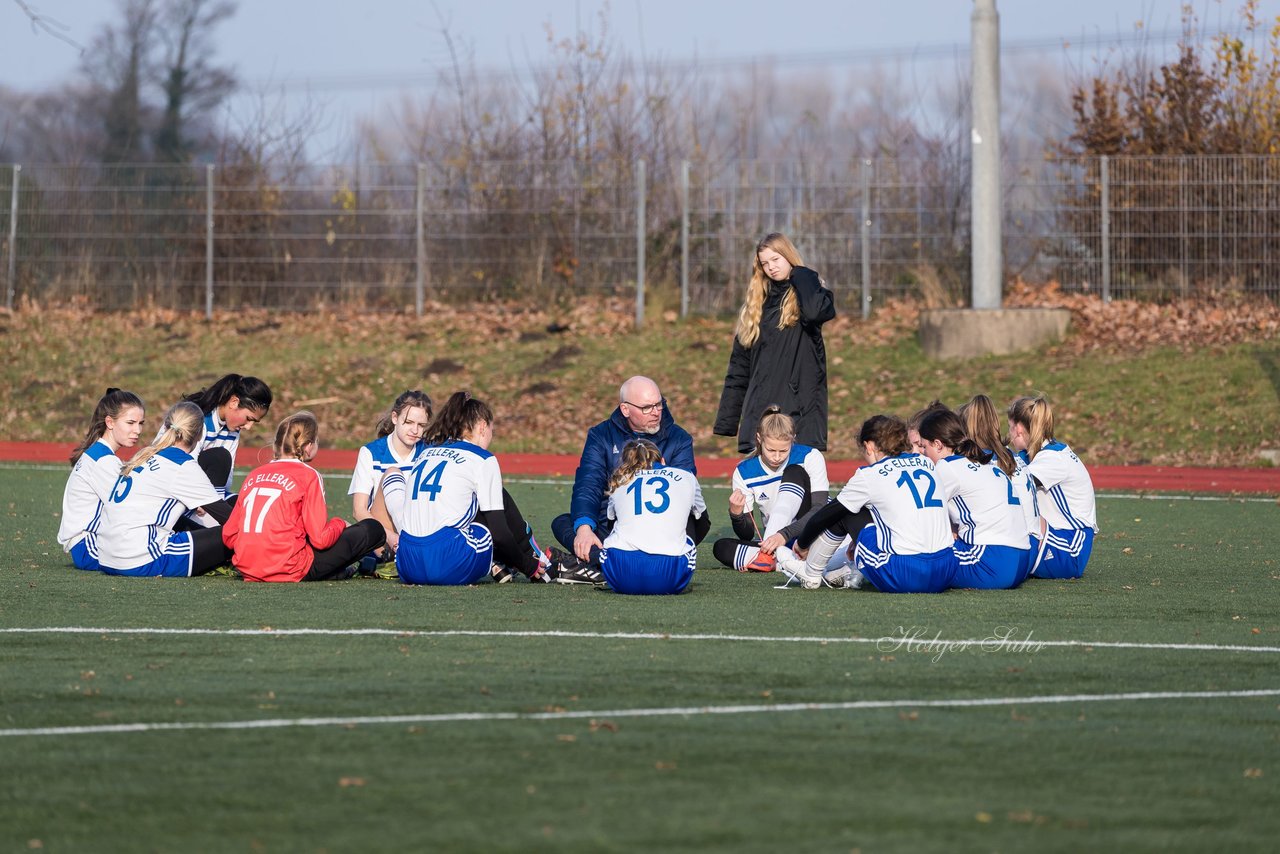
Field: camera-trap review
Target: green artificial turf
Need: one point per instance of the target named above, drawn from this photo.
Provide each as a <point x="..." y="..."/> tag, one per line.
<point x="605" y="744"/>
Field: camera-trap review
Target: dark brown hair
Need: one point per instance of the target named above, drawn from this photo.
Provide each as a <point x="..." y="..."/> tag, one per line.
<point x="114" y="402"/>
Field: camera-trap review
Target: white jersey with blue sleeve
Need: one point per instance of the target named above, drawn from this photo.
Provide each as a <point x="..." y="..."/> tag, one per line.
<point x="218" y="435"/>
<point x="761" y="484"/>
<point x="983" y="503"/>
<point x="651" y="511"/>
<point x="376" y="459"/>
<point x="905" y="501"/>
<point x="446" y="488"/>
<point x="138" y="519"/>
<point x="88" y="488"/>
<point x="1064" y="487"/>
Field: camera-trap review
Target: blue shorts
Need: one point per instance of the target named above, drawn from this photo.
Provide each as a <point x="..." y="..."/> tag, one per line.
<point x="990" y="567"/>
<point x="644" y="574"/>
<point x="174" y="560"/>
<point x="1065" y="554"/>
<point x="449" y="557"/>
<point x="895" y="573"/>
<point x="82" y="557"/>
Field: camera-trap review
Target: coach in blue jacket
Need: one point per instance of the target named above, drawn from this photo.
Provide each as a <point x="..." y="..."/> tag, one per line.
<point x="641" y="414"/>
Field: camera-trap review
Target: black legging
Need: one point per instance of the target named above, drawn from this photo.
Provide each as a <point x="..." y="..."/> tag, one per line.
<point x="837" y="519"/>
<point x="512" y="543"/>
<point x="207" y="549"/>
<point x="356" y="540"/>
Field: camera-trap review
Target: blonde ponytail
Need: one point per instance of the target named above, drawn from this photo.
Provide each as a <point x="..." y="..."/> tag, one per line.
<point x="1035" y="414"/>
<point x="183" y="424"/>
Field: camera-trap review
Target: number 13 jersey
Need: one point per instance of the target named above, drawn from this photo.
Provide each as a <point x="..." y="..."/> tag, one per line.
<point x="652" y="511"/>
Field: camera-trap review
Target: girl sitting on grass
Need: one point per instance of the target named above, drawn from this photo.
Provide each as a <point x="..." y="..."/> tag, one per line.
<point x="136" y="535"/>
<point x="992" y="546"/>
<point x="117" y="423"/>
<point x="398" y="443"/>
<point x="786" y="480"/>
<point x="230" y="406"/>
<point x="1064" y="489"/>
<point x="455" y="519"/>
<point x="893" y="509"/>
<point x="982" y="424"/>
<point x="278" y="530"/>
<point x="651" y="548"/>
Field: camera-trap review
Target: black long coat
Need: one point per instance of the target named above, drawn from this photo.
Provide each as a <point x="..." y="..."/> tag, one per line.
<point x="787" y="367"/>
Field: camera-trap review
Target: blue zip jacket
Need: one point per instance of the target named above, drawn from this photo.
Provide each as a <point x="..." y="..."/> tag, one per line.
<point x="602" y="452"/>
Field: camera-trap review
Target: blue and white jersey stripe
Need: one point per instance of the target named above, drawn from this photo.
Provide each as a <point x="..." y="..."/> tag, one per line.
<point x="762" y="484"/>
<point x="448" y="486"/>
<point x="89" y="485"/>
<point x="137" y="520"/>
<point x="1058" y="473"/>
<point x="906" y="502"/>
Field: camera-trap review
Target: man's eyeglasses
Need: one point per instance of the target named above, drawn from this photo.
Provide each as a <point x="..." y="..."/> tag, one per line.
<point x="646" y="409"/>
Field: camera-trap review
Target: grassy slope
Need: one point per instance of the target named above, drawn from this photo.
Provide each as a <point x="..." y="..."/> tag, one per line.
<point x="1156" y="775"/>
<point x="1153" y="402"/>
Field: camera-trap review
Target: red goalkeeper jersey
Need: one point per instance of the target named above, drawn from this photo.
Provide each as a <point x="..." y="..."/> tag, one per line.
<point x="277" y="521"/>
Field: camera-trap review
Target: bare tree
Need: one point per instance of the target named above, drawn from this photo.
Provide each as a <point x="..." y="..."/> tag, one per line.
<point x="118" y="63"/>
<point x="193" y="85"/>
<point x="52" y="26"/>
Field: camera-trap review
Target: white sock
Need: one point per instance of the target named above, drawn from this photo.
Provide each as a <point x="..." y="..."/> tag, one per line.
<point x="841" y="556"/>
<point x="785" y="507"/>
<point x="821" y="552"/>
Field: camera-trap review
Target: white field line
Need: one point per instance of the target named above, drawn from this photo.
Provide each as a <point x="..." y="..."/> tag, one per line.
<point x="535" y="481"/>
<point x="908" y="640"/>
<point x="671" y="711"/>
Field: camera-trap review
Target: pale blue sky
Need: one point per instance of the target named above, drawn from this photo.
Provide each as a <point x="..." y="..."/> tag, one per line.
<point x="356" y="56"/>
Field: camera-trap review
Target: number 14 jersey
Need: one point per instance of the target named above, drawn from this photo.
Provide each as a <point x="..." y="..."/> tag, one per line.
<point x="447" y="487"/>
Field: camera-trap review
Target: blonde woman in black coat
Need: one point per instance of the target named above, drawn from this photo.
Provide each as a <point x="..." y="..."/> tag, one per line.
<point x="778" y="354"/>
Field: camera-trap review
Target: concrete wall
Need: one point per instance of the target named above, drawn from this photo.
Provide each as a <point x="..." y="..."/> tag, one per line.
<point x="962" y="333"/>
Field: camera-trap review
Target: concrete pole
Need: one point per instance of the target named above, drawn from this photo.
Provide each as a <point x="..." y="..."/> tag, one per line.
<point x="986" y="214"/>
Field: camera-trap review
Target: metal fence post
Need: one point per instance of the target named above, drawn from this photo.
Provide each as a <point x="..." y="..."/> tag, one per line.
<point x="420" y="283"/>
<point x="866" y="238"/>
<point x="11" y="281"/>
<point x="1182" y="226"/>
<point x="640" y="215"/>
<point x="684" y="238"/>
<point x="208" y="243"/>
<point x="1104" y="178"/>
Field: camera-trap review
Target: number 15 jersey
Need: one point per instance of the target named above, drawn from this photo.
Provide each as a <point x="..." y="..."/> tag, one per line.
<point x="906" y="501"/>
<point x="652" y="511"/>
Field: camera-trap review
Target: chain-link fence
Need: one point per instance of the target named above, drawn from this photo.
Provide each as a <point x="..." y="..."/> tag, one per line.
<point x="393" y="236"/>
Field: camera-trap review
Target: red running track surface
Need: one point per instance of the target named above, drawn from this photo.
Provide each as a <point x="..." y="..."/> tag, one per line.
<point x="1252" y="481"/>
